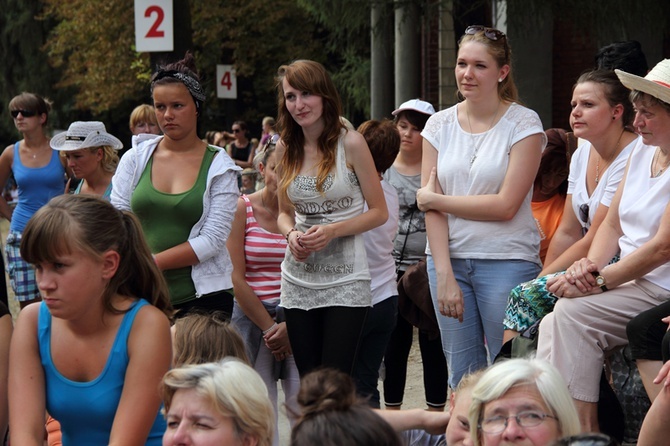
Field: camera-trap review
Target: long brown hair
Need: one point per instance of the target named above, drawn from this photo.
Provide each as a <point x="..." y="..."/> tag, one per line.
<point x="87" y="223"/>
<point x="312" y="77"/>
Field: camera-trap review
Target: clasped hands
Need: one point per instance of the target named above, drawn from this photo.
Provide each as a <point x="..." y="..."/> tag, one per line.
<point x="302" y="244"/>
<point x="578" y="280"/>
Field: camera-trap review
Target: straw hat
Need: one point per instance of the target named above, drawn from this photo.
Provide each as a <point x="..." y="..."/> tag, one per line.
<point x="656" y="83"/>
<point x="416" y="105"/>
<point x="81" y="135"/>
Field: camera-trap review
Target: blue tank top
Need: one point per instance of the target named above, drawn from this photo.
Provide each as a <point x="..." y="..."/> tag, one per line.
<point x="86" y="410"/>
<point x="36" y="186"/>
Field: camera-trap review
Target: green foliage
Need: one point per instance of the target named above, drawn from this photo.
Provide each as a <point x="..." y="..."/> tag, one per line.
<point x="93" y="43"/>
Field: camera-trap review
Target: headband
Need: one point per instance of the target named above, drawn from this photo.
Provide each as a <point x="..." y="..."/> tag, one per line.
<point x="191" y="83"/>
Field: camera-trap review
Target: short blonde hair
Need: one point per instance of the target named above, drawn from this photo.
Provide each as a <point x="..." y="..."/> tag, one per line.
<point x="501" y="377"/>
<point x="142" y="113"/>
<point x="234" y="389"/>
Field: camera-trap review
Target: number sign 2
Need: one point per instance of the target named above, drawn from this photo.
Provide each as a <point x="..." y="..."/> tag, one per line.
<point x="154" y="28"/>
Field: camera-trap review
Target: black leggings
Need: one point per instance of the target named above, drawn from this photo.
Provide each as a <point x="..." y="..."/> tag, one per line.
<point x="648" y="336"/>
<point x="327" y="337"/>
<point x="395" y="364"/>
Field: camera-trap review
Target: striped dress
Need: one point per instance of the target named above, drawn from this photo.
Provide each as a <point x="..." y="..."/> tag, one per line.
<point x="264" y="253"/>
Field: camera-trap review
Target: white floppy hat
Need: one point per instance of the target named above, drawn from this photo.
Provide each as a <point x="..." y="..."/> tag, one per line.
<point x="84" y="134"/>
<point x="416" y="105"/>
<point x="656" y="83"/>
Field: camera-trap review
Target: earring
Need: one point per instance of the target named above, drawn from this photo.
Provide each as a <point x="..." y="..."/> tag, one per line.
<point x="500" y="79"/>
<point x="613" y="118"/>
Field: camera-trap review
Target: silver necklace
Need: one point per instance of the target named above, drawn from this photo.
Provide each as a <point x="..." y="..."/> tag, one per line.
<point x="472" y="137"/>
<point x="662" y="169"/>
<point x="265" y="207"/>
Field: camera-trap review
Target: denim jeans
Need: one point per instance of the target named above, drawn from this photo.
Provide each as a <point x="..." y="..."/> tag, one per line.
<point x="485" y="285"/>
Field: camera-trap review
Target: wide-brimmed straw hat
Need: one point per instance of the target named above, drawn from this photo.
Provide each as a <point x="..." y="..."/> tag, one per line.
<point x="84" y="134"/>
<point x="416" y="105"/>
<point x="656" y="83"/>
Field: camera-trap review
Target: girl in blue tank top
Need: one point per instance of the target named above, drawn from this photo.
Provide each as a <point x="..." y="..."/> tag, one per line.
<point x="92" y="354"/>
<point x="39" y="176"/>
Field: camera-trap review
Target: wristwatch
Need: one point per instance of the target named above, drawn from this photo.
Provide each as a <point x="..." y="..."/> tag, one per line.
<point x="600" y="280"/>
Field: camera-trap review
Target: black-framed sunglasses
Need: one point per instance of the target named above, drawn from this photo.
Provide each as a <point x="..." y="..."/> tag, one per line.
<point x="25" y="113"/>
<point x="491" y="33"/>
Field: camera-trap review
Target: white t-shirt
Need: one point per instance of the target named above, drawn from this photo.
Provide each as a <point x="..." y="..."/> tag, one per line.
<point x="517" y="238"/>
<point x="642" y="205"/>
<point x="607" y="184"/>
<point x="379" y="246"/>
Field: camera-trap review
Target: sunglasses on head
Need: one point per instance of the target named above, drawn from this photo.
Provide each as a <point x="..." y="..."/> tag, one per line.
<point x="25" y="113"/>
<point x="491" y="33"/>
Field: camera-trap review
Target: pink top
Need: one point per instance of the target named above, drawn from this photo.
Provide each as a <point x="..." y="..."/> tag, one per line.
<point x="264" y="252"/>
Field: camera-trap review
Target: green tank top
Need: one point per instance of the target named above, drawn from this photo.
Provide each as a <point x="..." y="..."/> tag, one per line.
<point x="167" y="220"/>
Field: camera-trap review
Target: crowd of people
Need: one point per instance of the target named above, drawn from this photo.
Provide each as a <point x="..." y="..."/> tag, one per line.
<point x="166" y="292"/>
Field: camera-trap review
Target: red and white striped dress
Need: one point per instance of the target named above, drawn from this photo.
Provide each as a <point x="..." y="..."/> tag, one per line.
<point x="264" y="253"/>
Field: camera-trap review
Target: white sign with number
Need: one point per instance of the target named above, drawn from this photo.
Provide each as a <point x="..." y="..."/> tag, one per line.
<point x="154" y="27"/>
<point x="226" y="82"/>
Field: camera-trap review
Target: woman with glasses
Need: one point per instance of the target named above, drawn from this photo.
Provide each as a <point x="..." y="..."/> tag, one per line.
<point x="601" y="116"/>
<point x="480" y="158"/>
<point x="325" y="182"/>
<point x="241" y="150"/>
<point x="39" y="173"/>
<point x="184" y="193"/>
<point x="598" y="299"/>
<point x="257" y="249"/>
<point x="521" y="401"/>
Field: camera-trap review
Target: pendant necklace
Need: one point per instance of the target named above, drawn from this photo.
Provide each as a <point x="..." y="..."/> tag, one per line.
<point x="472" y="137"/>
<point x="265" y="207"/>
<point x="616" y="152"/>
<point x="662" y="169"/>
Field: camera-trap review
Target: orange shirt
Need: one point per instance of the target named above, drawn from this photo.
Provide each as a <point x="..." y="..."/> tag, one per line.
<point x="547" y="215"/>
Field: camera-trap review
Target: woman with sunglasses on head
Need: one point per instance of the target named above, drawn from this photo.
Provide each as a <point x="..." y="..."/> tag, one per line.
<point x="257" y="249"/>
<point x="601" y="115"/>
<point x="480" y="158"/>
<point x="40" y="175"/>
<point x="598" y="299"/>
<point x="324" y="184"/>
<point x="184" y="193"/>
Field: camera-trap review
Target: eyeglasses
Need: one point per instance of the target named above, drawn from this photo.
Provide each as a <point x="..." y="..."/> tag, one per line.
<point x="237" y="130"/>
<point x="491" y="33"/>
<point x="496" y="425"/>
<point x="25" y="113"/>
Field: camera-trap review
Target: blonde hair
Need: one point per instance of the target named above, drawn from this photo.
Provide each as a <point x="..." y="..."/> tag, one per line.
<point x="502" y="54"/>
<point x="142" y="113"/>
<point x="234" y="389"/>
<point x="201" y="338"/>
<point x="110" y="157"/>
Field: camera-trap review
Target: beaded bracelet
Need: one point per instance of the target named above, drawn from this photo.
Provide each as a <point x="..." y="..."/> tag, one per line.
<point x="269" y="329"/>
<point x="289" y="233"/>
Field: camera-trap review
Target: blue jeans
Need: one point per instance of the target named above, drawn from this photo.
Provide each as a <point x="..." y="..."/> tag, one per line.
<point x="485" y="285"/>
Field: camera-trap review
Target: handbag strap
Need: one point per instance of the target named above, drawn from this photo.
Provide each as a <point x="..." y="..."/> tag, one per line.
<point x="409" y="225"/>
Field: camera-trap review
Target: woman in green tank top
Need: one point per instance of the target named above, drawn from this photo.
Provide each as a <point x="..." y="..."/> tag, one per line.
<point x="185" y="194"/>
